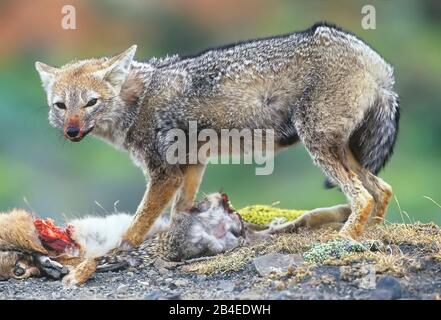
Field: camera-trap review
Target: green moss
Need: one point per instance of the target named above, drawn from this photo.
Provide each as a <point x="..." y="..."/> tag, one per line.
<point x="262" y="215"/>
<point x="338" y="248"/>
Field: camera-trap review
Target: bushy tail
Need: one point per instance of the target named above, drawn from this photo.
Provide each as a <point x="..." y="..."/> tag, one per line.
<point x="372" y="143"/>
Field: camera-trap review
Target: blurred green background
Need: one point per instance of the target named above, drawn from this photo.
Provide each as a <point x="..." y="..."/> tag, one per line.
<point x="59" y="178"/>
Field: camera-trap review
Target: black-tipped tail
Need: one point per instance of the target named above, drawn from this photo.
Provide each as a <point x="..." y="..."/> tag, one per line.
<point x="372" y="143"/>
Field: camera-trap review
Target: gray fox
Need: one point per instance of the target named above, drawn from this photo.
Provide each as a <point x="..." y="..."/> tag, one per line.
<point x="322" y="86"/>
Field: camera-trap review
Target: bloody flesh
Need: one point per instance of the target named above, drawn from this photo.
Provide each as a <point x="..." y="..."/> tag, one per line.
<point x="55" y="238"/>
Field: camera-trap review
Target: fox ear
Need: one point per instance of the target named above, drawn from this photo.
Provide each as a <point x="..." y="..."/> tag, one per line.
<point x="116" y="68"/>
<point x="47" y="73"/>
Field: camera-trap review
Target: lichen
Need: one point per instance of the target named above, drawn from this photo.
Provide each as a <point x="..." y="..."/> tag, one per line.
<point x="263" y="215"/>
<point x="338" y="248"/>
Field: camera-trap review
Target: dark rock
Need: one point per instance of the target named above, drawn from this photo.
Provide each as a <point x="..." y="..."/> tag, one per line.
<point x="388" y="288"/>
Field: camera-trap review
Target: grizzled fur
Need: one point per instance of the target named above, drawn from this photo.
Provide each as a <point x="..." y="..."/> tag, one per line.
<point x="323" y="87"/>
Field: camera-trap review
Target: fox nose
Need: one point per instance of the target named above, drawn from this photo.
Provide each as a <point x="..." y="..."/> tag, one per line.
<point x="72" y="132"/>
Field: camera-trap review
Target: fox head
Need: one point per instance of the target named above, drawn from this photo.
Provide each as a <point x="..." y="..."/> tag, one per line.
<point x="84" y="94"/>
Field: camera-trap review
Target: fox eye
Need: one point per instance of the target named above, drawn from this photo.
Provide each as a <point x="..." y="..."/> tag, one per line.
<point x="60" y="105"/>
<point x="92" y="102"/>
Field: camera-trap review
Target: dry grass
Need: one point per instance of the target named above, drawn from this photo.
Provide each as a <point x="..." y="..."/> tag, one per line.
<point x="401" y="233"/>
<point x="388" y="262"/>
<point x="229" y="261"/>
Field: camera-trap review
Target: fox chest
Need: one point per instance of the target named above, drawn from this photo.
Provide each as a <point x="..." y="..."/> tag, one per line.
<point x="138" y="158"/>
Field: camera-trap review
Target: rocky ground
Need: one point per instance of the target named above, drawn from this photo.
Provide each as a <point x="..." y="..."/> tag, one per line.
<point x="404" y="262"/>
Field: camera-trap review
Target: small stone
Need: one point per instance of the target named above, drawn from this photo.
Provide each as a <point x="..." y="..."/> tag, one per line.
<point x="279" y="285"/>
<point x="181" y="282"/>
<point x="122" y="288"/>
<point x="163" y="271"/>
<point x="276" y="263"/>
<point x="173" y="296"/>
<point x="282" y="295"/>
<point x="153" y="295"/>
<point x="201" y="277"/>
<point x="250" y="295"/>
<point x="226" y="285"/>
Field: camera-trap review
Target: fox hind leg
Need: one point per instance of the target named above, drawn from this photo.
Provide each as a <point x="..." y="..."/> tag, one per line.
<point x="333" y="161"/>
<point x="377" y="187"/>
<point x="386" y="189"/>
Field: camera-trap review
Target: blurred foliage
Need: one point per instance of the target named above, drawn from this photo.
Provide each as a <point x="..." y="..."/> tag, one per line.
<point x="57" y="177"/>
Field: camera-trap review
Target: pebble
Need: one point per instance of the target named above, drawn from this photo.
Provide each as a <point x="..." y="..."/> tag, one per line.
<point x="173" y="296"/>
<point x="159" y="295"/>
<point x="276" y="262"/>
<point x="122" y="288"/>
<point x="153" y="295"/>
<point x="285" y="294"/>
<point x="181" y="282"/>
<point x="226" y="285"/>
<point x="250" y="294"/>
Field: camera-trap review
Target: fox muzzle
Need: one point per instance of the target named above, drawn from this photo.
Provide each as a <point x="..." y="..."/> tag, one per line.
<point x="75" y="134"/>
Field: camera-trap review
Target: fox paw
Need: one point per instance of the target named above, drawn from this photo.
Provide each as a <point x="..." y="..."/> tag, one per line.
<point x="71" y="279"/>
<point x="81" y="273"/>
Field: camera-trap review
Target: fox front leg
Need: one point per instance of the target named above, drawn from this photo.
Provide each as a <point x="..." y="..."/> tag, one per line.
<point x="159" y="193"/>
